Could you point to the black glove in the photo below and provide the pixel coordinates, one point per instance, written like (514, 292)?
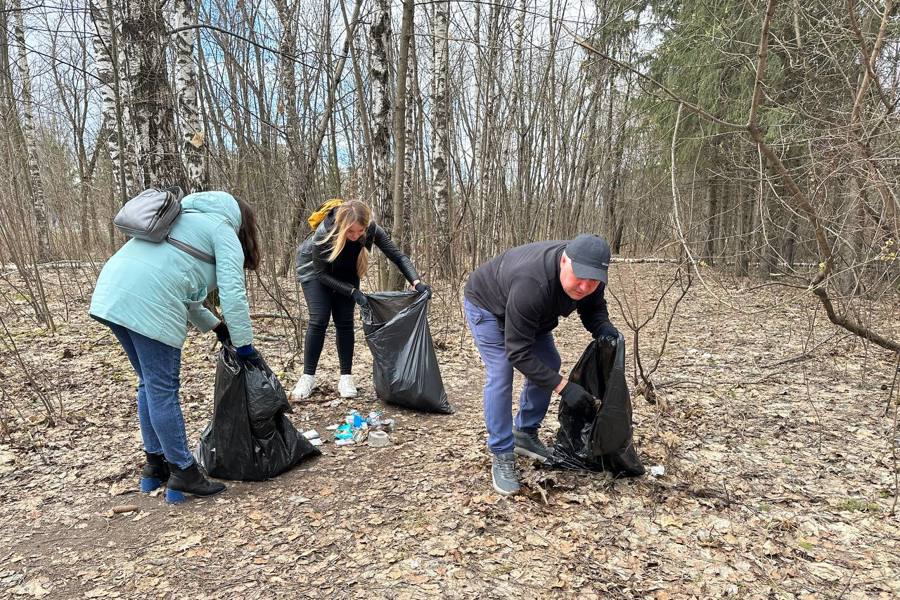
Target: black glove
(578, 399)
(607, 330)
(221, 331)
(424, 288)
(248, 355)
(359, 297)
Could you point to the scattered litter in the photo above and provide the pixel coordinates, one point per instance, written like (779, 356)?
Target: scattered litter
(316, 441)
(343, 432)
(657, 471)
(356, 429)
(377, 422)
(312, 434)
(379, 439)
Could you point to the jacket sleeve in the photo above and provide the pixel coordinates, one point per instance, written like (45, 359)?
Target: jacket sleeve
(390, 249)
(230, 280)
(524, 307)
(319, 257)
(593, 310)
(201, 317)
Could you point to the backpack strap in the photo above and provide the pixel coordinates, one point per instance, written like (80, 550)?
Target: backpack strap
(198, 254)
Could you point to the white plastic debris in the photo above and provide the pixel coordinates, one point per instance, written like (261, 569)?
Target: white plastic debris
(657, 471)
(312, 434)
(379, 439)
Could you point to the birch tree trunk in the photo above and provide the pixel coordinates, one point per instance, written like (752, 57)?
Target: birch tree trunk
(115, 112)
(287, 77)
(380, 33)
(440, 135)
(400, 119)
(154, 108)
(38, 198)
(193, 138)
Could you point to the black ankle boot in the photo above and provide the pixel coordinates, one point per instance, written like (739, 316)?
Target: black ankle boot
(193, 481)
(155, 472)
(156, 466)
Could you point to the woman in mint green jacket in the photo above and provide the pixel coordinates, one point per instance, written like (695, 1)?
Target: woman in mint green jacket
(148, 292)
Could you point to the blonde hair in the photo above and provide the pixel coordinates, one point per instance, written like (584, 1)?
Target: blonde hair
(351, 212)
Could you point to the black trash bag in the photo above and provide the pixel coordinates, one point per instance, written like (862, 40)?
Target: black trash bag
(249, 437)
(602, 439)
(406, 368)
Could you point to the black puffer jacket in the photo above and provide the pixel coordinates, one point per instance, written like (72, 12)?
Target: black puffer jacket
(340, 275)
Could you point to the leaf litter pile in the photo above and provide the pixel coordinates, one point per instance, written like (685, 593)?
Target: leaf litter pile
(778, 476)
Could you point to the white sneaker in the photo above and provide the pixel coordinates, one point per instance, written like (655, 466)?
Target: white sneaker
(304, 388)
(346, 387)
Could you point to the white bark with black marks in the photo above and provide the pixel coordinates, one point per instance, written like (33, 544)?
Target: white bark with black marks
(440, 132)
(38, 197)
(193, 138)
(144, 34)
(380, 70)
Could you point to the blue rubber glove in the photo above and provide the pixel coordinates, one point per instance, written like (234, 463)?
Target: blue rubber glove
(248, 355)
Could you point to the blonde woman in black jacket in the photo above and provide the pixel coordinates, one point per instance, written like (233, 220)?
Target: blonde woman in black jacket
(330, 264)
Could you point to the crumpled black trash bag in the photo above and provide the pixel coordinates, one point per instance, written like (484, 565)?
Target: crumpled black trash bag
(406, 368)
(602, 440)
(249, 438)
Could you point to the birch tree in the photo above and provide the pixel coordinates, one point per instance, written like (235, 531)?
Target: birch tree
(144, 32)
(193, 137)
(38, 198)
(440, 134)
(115, 112)
(380, 69)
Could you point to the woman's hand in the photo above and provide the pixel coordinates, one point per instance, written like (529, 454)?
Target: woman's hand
(221, 331)
(422, 287)
(359, 297)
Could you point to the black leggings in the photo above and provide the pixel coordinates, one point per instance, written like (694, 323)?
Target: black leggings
(323, 302)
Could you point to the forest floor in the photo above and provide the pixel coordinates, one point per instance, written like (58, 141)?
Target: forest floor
(779, 477)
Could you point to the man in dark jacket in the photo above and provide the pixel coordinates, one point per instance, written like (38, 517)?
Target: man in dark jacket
(512, 303)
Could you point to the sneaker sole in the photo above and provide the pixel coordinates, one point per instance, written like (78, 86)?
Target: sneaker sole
(529, 454)
(501, 491)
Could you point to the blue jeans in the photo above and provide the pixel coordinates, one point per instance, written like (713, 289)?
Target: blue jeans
(498, 379)
(158, 368)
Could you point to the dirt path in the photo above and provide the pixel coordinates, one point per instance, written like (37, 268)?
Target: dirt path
(778, 484)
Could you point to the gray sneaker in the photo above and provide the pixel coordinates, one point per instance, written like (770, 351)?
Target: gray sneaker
(529, 444)
(503, 474)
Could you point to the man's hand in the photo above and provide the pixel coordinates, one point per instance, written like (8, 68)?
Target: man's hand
(359, 297)
(607, 330)
(221, 331)
(578, 399)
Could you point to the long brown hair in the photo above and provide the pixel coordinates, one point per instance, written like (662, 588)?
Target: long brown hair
(248, 234)
(351, 212)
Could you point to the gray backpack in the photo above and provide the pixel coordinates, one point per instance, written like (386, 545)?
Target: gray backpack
(149, 216)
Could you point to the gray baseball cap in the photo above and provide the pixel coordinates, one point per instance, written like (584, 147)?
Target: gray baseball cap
(590, 256)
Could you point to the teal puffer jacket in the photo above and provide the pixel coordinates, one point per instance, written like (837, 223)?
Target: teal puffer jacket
(155, 289)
